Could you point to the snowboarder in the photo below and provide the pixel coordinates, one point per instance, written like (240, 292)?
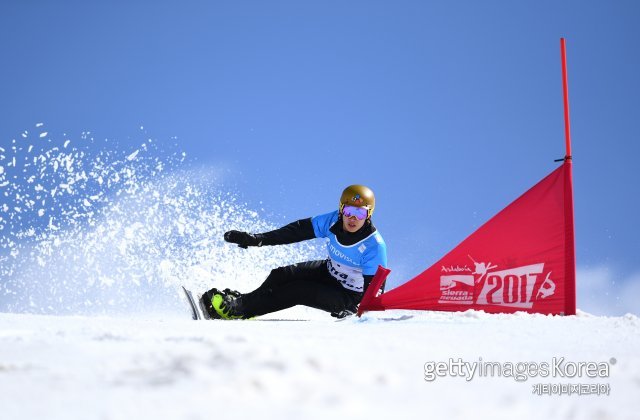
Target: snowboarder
(335, 285)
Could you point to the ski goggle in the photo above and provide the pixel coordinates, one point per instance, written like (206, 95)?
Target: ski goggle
(360, 212)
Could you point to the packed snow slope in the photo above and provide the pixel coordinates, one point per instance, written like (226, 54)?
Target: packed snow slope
(58, 367)
(95, 240)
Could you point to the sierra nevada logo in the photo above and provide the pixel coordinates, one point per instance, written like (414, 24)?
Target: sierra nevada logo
(514, 287)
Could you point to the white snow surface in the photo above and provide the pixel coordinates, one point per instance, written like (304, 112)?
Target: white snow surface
(95, 240)
(167, 367)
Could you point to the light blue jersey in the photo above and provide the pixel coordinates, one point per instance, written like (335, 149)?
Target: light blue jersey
(347, 263)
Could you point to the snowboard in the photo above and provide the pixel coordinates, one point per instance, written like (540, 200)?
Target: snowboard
(195, 313)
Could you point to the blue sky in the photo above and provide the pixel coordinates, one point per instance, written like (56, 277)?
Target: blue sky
(450, 108)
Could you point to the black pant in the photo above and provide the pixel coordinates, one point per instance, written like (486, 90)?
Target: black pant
(308, 283)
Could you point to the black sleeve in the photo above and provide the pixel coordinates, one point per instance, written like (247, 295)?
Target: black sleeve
(367, 282)
(297, 231)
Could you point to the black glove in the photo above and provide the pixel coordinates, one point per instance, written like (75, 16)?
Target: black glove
(344, 313)
(243, 239)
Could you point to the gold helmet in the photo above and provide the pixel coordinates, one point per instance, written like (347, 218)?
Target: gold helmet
(358, 196)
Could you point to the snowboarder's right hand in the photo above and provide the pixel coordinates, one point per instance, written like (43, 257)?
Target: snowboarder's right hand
(243, 239)
(343, 313)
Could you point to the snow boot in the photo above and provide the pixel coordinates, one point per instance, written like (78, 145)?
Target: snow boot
(206, 305)
(227, 306)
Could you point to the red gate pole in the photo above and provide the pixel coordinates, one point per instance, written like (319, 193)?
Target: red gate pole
(565, 89)
(570, 253)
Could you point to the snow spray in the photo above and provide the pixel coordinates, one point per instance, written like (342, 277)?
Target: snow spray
(91, 226)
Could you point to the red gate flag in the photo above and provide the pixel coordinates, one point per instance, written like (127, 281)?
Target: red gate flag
(522, 259)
